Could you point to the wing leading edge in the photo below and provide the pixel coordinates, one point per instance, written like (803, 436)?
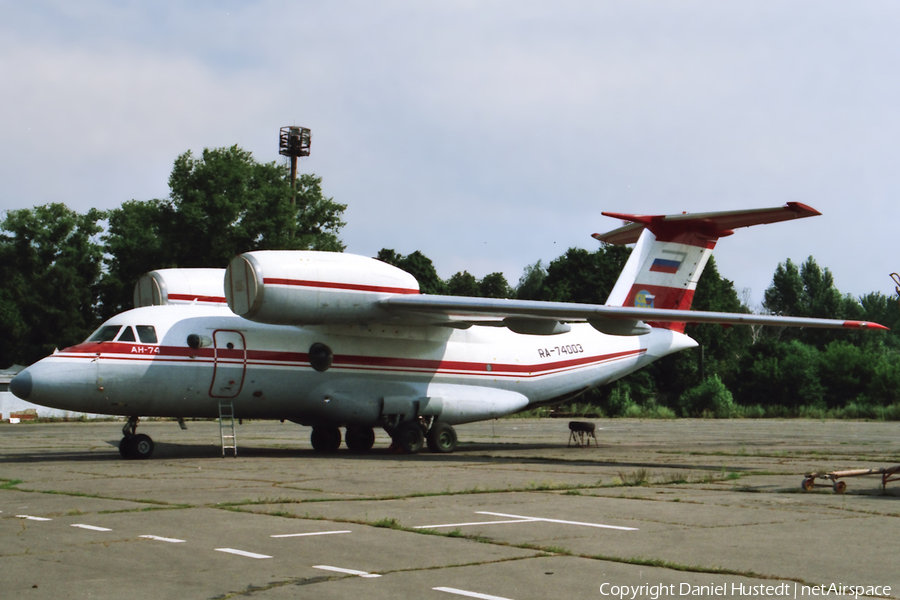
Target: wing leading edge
(552, 317)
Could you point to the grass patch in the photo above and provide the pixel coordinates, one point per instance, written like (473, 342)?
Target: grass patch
(665, 564)
(640, 477)
(145, 509)
(249, 502)
(9, 484)
(676, 479)
(388, 523)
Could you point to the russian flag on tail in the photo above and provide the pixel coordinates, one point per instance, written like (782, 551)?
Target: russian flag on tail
(664, 265)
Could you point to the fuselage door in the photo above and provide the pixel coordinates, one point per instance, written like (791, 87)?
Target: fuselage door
(230, 364)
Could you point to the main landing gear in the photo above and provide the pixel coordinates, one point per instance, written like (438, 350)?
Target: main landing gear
(409, 437)
(326, 439)
(135, 445)
(359, 439)
(441, 438)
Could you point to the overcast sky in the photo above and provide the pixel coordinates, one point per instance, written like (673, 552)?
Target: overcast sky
(486, 134)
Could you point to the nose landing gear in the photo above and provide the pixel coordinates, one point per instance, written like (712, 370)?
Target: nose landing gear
(135, 445)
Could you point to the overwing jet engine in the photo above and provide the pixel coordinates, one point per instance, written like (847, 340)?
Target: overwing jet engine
(312, 288)
(337, 341)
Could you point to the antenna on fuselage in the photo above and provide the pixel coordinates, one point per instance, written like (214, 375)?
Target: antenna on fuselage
(294, 141)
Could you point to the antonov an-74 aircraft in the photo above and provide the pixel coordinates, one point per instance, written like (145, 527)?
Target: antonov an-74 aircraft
(334, 340)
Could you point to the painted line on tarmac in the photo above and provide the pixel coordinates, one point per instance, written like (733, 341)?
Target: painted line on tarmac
(287, 535)
(559, 521)
(529, 520)
(162, 539)
(347, 571)
(30, 518)
(242, 553)
(91, 527)
(451, 590)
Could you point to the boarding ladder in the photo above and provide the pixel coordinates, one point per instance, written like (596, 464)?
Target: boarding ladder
(226, 428)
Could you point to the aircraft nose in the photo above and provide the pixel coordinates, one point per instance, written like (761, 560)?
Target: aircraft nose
(21, 385)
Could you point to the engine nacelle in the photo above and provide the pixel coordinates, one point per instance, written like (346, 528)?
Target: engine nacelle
(297, 287)
(180, 286)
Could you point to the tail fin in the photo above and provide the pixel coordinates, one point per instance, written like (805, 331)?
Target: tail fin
(672, 250)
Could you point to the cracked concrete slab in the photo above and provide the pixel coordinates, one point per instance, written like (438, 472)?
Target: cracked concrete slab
(708, 502)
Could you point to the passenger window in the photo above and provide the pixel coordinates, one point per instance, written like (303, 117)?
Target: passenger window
(107, 333)
(147, 333)
(127, 335)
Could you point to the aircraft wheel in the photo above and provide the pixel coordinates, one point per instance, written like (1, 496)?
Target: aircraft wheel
(359, 439)
(125, 446)
(441, 438)
(808, 484)
(140, 446)
(326, 439)
(839, 487)
(409, 437)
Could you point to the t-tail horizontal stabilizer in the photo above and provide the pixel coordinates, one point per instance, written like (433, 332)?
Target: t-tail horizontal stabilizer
(671, 251)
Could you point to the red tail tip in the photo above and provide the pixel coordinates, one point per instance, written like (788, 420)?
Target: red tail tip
(864, 325)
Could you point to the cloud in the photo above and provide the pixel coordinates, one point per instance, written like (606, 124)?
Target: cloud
(487, 135)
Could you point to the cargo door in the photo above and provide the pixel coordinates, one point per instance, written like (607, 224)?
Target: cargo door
(230, 364)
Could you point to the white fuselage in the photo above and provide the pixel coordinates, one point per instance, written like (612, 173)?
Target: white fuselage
(265, 371)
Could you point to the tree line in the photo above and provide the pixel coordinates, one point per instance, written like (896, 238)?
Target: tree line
(62, 273)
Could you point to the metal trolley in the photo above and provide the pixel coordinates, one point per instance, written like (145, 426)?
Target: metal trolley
(887, 474)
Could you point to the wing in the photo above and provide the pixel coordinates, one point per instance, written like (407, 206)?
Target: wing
(548, 318)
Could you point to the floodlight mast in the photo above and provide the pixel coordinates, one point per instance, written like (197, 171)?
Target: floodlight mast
(294, 141)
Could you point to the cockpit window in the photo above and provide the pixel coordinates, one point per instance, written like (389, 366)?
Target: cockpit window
(127, 335)
(107, 333)
(147, 333)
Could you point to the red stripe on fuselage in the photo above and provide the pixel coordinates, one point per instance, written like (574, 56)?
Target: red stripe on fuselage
(339, 286)
(191, 298)
(169, 354)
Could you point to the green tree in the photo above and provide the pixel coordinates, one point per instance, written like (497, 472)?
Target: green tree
(50, 264)
(225, 203)
(806, 292)
(884, 386)
(582, 276)
(494, 285)
(531, 282)
(781, 373)
(711, 397)
(845, 371)
(463, 283)
(136, 242)
(785, 295)
(419, 266)
(220, 205)
(877, 308)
